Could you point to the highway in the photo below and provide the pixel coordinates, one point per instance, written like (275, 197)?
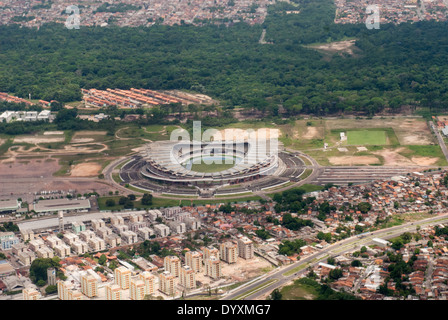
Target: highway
(277, 278)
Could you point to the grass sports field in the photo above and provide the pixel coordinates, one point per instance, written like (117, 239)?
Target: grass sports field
(366, 137)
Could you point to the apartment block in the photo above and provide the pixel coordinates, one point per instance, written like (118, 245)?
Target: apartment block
(78, 227)
(113, 240)
(116, 220)
(113, 292)
(44, 252)
(167, 283)
(154, 214)
(177, 227)
(86, 235)
(79, 247)
(96, 244)
(97, 224)
(228, 252)
(120, 228)
(19, 247)
(53, 241)
(145, 233)
(26, 257)
(136, 217)
(162, 230)
(36, 244)
(69, 238)
(150, 282)
(213, 267)
(172, 265)
(194, 260)
(137, 289)
(27, 235)
(66, 291)
(245, 248)
(187, 277)
(103, 232)
(89, 285)
(210, 251)
(62, 250)
(122, 277)
(129, 237)
(31, 294)
(192, 223)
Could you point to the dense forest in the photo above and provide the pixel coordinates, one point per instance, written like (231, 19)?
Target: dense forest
(390, 67)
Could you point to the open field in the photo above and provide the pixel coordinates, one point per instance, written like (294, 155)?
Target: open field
(366, 137)
(298, 291)
(39, 139)
(409, 131)
(391, 141)
(213, 167)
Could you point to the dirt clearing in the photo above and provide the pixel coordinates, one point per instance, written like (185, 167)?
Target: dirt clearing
(392, 157)
(49, 133)
(337, 46)
(311, 133)
(38, 139)
(88, 169)
(424, 161)
(238, 134)
(353, 160)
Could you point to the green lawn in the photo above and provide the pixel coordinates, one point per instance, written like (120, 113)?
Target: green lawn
(299, 291)
(366, 137)
(212, 167)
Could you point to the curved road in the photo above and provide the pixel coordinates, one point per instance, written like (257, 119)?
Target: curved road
(276, 278)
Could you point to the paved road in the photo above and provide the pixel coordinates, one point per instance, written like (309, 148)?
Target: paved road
(439, 139)
(244, 292)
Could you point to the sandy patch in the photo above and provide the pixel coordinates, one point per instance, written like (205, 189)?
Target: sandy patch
(337, 46)
(88, 169)
(46, 133)
(413, 132)
(242, 134)
(244, 269)
(26, 169)
(82, 140)
(311, 133)
(424, 161)
(393, 158)
(2, 141)
(38, 139)
(353, 160)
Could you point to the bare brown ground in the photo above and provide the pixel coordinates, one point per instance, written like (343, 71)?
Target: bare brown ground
(32, 169)
(311, 133)
(353, 160)
(46, 133)
(393, 158)
(244, 269)
(88, 169)
(82, 140)
(337, 46)
(39, 139)
(233, 134)
(424, 161)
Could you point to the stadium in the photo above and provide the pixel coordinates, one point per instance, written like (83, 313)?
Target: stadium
(210, 168)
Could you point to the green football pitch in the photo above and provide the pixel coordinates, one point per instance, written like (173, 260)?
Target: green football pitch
(366, 137)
